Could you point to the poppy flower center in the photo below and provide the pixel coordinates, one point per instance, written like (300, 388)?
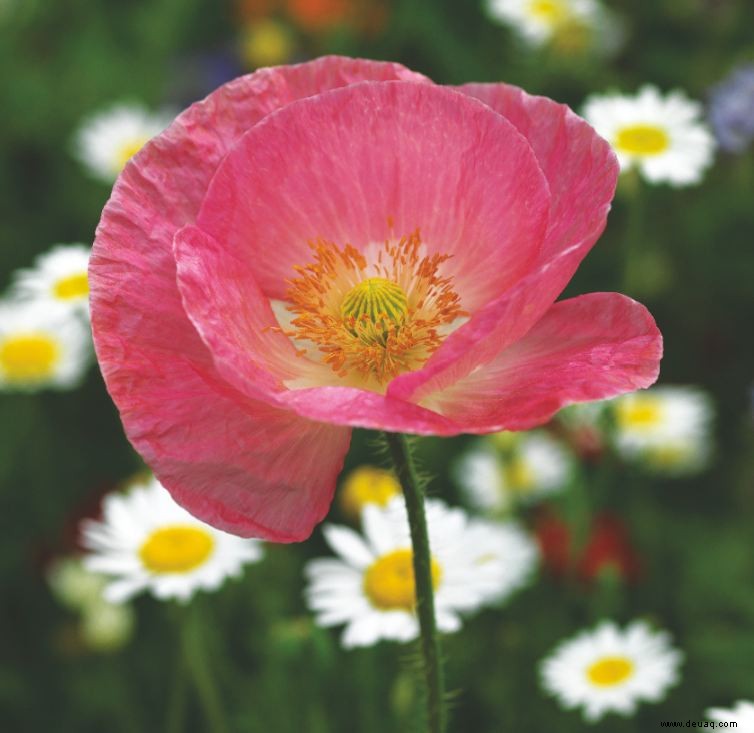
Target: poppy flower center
(389, 581)
(73, 286)
(176, 549)
(374, 308)
(28, 357)
(377, 313)
(610, 671)
(642, 140)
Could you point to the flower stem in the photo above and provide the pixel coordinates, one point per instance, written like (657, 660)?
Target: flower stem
(634, 233)
(195, 654)
(425, 601)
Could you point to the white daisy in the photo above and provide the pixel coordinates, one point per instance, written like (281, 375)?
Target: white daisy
(532, 466)
(370, 586)
(367, 485)
(58, 276)
(666, 428)
(42, 345)
(108, 139)
(102, 626)
(742, 714)
(664, 137)
(505, 556)
(146, 541)
(609, 670)
(540, 21)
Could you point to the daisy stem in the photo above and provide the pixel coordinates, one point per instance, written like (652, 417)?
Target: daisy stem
(634, 231)
(195, 654)
(413, 495)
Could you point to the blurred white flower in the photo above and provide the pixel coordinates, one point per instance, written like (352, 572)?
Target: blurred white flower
(73, 585)
(58, 276)
(663, 137)
(505, 555)
(741, 714)
(42, 345)
(570, 26)
(668, 428)
(611, 670)
(146, 541)
(109, 139)
(370, 586)
(367, 485)
(534, 465)
(102, 626)
(107, 626)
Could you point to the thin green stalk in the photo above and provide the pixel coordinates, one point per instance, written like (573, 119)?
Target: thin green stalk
(422, 560)
(634, 244)
(195, 653)
(176, 714)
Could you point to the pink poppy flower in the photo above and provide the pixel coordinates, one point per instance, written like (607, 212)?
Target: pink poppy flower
(345, 244)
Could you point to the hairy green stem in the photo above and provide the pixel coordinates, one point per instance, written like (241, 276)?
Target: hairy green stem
(422, 560)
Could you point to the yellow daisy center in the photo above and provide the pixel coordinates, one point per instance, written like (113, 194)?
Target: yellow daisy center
(29, 357)
(610, 671)
(377, 318)
(642, 140)
(572, 36)
(367, 485)
(71, 287)
(176, 549)
(389, 581)
(127, 150)
(519, 475)
(551, 11)
(267, 43)
(639, 414)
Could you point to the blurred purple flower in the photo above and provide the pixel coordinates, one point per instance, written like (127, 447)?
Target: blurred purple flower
(193, 77)
(731, 109)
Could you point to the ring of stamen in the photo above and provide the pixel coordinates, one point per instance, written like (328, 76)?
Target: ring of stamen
(378, 318)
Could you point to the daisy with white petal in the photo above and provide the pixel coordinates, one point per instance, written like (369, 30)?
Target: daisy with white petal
(145, 541)
(664, 137)
(666, 428)
(541, 21)
(742, 714)
(370, 586)
(505, 556)
(58, 276)
(42, 345)
(612, 670)
(533, 465)
(109, 139)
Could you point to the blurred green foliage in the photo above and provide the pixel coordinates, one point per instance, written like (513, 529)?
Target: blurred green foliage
(276, 671)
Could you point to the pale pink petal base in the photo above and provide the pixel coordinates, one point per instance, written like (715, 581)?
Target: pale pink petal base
(587, 348)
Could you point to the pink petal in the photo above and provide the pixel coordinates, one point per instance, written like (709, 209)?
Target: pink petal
(245, 467)
(371, 161)
(153, 361)
(581, 171)
(587, 348)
